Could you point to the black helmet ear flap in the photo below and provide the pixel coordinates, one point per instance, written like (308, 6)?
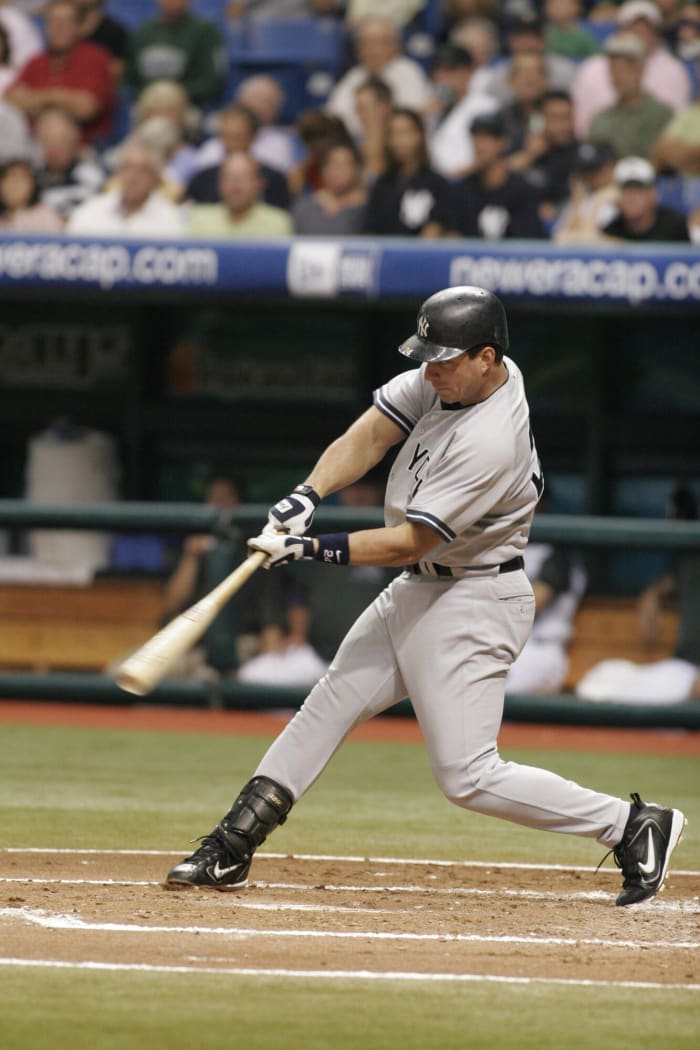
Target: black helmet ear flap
(456, 320)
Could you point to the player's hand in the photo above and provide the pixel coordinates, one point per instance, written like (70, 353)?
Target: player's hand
(294, 513)
(281, 548)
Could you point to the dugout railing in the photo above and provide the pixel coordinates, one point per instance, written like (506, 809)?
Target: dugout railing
(579, 532)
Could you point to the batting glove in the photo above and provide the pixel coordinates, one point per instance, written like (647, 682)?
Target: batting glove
(281, 548)
(294, 513)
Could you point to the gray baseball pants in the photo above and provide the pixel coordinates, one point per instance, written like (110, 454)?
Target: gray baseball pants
(447, 643)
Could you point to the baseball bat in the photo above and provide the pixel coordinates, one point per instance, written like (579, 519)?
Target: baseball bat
(140, 672)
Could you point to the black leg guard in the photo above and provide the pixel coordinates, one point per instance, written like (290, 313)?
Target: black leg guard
(260, 807)
(224, 858)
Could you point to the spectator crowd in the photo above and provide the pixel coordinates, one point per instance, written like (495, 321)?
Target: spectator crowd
(572, 120)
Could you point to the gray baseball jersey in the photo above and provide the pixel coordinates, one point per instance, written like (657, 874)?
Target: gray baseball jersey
(471, 473)
(447, 638)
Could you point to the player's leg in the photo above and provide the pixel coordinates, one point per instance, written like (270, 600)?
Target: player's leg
(470, 633)
(363, 680)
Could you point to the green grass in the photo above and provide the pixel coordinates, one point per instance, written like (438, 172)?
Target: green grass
(105, 789)
(218, 1012)
(93, 788)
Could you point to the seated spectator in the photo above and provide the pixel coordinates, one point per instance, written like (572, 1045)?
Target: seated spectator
(373, 105)
(66, 176)
(663, 681)
(378, 44)
(479, 36)
(593, 197)
(8, 72)
(241, 213)
(558, 583)
(20, 40)
(664, 76)
(338, 207)
(405, 196)
(267, 619)
(677, 149)
(275, 145)
(317, 132)
(641, 217)
(457, 105)
(70, 73)
(136, 207)
(493, 202)
(164, 136)
(685, 40)
(236, 130)
(97, 27)
(563, 32)
(399, 12)
(178, 46)
(167, 100)
(635, 120)
(15, 134)
(524, 33)
(549, 153)
(527, 80)
(21, 210)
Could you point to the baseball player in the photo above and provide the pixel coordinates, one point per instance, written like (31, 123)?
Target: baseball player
(458, 507)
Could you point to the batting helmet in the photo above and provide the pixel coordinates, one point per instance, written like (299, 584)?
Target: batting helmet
(456, 320)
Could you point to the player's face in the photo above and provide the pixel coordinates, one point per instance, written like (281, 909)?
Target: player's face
(461, 379)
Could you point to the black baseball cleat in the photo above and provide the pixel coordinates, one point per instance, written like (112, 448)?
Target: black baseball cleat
(223, 860)
(651, 835)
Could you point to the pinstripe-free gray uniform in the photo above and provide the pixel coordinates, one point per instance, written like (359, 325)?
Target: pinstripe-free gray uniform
(445, 632)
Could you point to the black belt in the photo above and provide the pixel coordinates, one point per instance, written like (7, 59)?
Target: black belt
(445, 570)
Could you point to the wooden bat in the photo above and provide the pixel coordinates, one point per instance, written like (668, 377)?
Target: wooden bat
(143, 670)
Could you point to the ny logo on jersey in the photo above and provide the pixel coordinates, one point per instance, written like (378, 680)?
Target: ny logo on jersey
(423, 326)
(419, 461)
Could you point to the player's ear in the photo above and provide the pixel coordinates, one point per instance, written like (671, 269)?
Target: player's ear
(488, 356)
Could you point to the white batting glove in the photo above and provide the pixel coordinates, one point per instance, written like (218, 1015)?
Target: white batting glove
(282, 548)
(294, 513)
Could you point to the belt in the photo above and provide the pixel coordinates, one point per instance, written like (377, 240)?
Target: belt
(447, 570)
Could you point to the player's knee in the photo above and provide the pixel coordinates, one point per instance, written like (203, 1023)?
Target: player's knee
(459, 780)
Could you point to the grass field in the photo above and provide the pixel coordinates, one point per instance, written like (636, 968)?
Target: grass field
(108, 789)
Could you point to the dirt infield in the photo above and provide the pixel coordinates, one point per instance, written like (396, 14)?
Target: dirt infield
(350, 916)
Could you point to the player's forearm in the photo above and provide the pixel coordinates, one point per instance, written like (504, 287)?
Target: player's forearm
(390, 547)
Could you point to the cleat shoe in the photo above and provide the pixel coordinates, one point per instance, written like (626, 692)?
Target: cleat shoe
(222, 862)
(651, 835)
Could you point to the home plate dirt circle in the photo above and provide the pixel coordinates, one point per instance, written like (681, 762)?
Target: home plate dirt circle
(349, 916)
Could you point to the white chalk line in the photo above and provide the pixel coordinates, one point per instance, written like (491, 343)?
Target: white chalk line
(423, 862)
(691, 907)
(344, 975)
(57, 921)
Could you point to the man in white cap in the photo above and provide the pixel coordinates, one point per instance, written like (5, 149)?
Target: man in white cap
(640, 216)
(664, 77)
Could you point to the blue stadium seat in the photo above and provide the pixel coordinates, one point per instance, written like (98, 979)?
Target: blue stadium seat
(600, 30)
(131, 13)
(316, 41)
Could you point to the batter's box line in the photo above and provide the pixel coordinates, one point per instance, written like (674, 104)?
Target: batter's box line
(58, 921)
(347, 975)
(329, 857)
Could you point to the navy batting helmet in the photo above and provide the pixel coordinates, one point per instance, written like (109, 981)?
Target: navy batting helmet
(456, 320)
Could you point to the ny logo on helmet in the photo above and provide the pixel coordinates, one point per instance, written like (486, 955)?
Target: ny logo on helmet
(423, 326)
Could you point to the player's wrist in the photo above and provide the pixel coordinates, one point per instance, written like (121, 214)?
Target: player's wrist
(310, 492)
(333, 548)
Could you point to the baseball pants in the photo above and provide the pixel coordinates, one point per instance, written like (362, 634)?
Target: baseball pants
(448, 644)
